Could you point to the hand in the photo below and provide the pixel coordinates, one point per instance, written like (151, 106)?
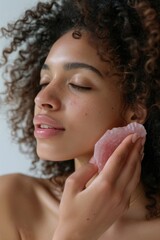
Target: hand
(87, 212)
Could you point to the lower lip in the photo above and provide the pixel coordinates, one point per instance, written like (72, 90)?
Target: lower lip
(46, 132)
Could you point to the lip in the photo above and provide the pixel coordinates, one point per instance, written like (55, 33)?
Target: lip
(56, 127)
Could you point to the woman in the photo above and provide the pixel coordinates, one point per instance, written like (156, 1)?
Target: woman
(89, 67)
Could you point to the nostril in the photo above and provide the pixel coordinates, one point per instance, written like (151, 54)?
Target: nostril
(47, 102)
(46, 105)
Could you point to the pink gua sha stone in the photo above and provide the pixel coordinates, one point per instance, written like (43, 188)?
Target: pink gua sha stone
(111, 139)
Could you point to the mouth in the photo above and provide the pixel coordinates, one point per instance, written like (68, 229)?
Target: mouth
(46, 127)
(44, 121)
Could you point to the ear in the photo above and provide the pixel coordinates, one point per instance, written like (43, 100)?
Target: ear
(136, 114)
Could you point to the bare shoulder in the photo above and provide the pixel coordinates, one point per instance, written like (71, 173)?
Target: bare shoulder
(15, 185)
(8, 190)
(10, 186)
(11, 179)
(19, 190)
(26, 203)
(152, 229)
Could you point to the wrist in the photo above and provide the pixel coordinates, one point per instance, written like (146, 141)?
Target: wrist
(62, 233)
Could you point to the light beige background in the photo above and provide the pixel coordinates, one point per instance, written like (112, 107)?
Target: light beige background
(11, 160)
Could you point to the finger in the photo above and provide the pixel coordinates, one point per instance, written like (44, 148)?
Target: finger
(132, 185)
(77, 181)
(116, 162)
(130, 167)
(135, 180)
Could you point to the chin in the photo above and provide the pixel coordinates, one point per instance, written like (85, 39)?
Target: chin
(50, 155)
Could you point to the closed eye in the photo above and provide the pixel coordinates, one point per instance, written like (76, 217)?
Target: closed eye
(79, 88)
(42, 86)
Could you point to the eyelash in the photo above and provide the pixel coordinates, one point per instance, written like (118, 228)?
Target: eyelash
(76, 87)
(41, 86)
(79, 88)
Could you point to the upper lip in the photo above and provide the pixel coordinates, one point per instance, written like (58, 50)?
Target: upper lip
(44, 119)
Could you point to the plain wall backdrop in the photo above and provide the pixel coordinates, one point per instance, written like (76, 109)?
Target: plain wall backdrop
(11, 160)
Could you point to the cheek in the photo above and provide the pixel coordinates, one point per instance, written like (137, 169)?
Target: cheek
(86, 109)
(79, 107)
(35, 110)
(86, 114)
(94, 113)
(75, 101)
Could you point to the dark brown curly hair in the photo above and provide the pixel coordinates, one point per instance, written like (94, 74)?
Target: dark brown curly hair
(127, 36)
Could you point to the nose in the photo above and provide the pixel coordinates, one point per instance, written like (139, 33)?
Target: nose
(48, 99)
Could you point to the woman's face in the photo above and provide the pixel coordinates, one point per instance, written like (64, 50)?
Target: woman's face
(78, 101)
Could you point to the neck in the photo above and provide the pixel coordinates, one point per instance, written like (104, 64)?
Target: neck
(138, 201)
(79, 162)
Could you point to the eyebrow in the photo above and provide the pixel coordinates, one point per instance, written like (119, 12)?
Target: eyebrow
(76, 65)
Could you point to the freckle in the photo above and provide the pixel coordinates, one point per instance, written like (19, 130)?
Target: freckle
(112, 108)
(86, 114)
(88, 219)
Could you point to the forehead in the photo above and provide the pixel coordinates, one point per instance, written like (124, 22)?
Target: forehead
(70, 49)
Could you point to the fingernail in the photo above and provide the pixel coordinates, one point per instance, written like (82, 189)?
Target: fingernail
(135, 136)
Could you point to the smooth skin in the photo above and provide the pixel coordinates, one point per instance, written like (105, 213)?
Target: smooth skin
(105, 206)
(85, 103)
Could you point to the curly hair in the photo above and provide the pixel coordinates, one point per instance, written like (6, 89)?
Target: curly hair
(127, 36)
